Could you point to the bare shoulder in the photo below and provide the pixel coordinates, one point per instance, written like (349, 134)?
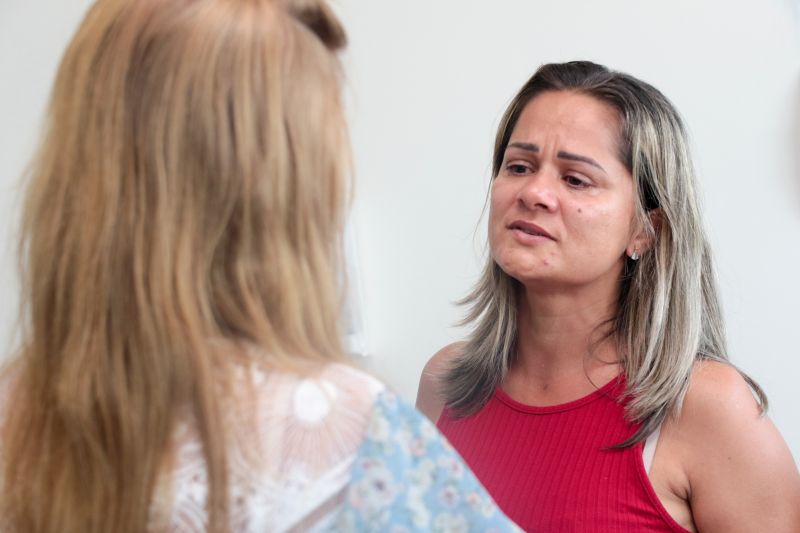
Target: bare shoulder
(729, 442)
(429, 399)
(719, 395)
(720, 412)
(441, 360)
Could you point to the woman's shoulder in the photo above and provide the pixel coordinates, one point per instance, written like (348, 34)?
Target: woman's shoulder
(719, 408)
(441, 360)
(291, 436)
(321, 389)
(718, 399)
(429, 397)
(353, 378)
(725, 440)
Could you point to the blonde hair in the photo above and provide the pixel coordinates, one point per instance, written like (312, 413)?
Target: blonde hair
(190, 186)
(668, 314)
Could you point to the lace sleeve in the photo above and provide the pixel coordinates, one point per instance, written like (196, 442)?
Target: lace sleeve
(407, 477)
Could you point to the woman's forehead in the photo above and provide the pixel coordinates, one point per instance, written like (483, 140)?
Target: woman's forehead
(574, 120)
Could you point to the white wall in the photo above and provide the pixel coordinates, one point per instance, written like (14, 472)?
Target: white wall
(428, 81)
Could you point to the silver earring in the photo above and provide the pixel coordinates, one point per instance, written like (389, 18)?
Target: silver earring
(635, 255)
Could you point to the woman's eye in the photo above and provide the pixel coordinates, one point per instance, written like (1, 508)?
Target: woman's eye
(517, 168)
(573, 181)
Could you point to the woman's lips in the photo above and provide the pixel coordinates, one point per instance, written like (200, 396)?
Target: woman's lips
(529, 229)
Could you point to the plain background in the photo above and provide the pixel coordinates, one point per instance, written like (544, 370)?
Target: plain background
(427, 82)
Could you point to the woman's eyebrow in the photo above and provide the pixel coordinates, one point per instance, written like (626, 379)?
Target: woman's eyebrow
(525, 146)
(530, 147)
(575, 157)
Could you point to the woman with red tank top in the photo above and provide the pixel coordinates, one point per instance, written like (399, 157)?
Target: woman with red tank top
(594, 393)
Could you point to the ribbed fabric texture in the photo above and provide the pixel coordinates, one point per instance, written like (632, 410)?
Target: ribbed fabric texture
(550, 470)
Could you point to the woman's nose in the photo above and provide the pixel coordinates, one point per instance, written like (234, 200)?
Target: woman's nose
(539, 191)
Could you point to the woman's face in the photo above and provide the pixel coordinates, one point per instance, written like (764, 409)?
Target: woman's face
(562, 209)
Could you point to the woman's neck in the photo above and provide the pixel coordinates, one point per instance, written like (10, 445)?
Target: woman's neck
(563, 349)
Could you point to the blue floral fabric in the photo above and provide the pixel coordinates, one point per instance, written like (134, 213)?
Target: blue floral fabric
(407, 478)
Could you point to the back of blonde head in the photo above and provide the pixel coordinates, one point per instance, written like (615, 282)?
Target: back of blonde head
(190, 187)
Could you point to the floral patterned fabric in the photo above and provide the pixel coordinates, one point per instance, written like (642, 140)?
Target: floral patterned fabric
(406, 477)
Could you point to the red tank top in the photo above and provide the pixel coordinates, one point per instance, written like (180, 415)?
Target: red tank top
(549, 468)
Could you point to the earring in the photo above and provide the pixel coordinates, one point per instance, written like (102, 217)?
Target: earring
(635, 255)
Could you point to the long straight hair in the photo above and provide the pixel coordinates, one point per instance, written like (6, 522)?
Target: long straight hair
(668, 312)
(190, 187)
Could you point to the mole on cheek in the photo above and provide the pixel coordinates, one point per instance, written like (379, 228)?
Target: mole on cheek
(580, 210)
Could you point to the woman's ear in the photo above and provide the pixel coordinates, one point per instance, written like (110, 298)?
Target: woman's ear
(643, 240)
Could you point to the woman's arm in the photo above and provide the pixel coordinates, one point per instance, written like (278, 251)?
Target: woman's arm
(741, 474)
(429, 399)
